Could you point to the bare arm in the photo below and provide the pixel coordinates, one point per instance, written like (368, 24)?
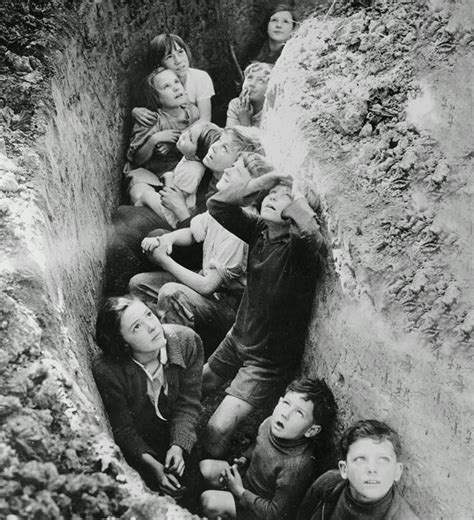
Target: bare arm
(205, 109)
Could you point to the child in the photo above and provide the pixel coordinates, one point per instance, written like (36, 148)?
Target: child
(364, 486)
(171, 52)
(246, 110)
(205, 301)
(265, 343)
(167, 97)
(281, 464)
(193, 143)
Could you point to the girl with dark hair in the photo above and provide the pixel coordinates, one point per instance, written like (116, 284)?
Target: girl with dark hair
(171, 52)
(277, 28)
(149, 378)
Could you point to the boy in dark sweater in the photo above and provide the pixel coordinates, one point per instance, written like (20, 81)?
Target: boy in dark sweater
(364, 487)
(280, 465)
(264, 346)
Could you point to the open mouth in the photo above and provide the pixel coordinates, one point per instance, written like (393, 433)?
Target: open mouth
(279, 425)
(269, 206)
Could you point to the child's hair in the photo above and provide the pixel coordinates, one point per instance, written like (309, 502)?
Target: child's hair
(150, 95)
(107, 329)
(283, 7)
(210, 133)
(318, 392)
(248, 138)
(255, 163)
(162, 45)
(259, 66)
(369, 429)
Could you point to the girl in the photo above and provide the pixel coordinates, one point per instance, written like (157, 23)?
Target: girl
(165, 94)
(278, 27)
(171, 52)
(149, 378)
(246, 110)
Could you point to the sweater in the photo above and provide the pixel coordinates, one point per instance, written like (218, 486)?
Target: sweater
(326, 493)
(281, 277)
(277, 477)
(123, 388)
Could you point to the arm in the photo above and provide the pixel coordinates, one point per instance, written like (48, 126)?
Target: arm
(144, 152)
(187, 408)
(180, 237)
(205, 109)
(113, 391)
(232, 115)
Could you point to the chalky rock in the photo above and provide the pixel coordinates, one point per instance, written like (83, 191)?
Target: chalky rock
(8, 181)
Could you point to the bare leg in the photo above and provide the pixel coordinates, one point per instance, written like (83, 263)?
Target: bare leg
(211, 471)
(223, 424)
(210, 381)
(218, 504)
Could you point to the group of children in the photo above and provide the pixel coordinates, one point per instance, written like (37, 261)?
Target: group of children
(234, 251)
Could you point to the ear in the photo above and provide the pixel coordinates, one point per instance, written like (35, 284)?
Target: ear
(312, 431)
(398, 471)
(343, 469)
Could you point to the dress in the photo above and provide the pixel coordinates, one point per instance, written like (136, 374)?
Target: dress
(233, 115)
(198, 85)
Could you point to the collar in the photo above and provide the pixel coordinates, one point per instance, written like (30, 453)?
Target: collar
(162, 358)
(282, 238)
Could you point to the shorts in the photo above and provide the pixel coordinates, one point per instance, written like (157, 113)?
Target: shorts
(252, 382)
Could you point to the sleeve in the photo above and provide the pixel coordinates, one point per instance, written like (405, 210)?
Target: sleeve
(140, 136)
(315, 494)
(187, 408)
(199, 225)
(204, 85)
(231, 259)
(226, 207)
(232, 114)
(306, 238)
(289, 483)
(187, 175)
(114, 396)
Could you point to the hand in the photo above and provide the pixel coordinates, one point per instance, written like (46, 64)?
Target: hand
(172, 198)
(163, 148)
(167, 136)
(269, 180)
(144, 116)
(167, 177)
(167, 482)
(174, 461)
(234, 481)
(245, 110)
(241, 462)
(149, 244)
(160, 254)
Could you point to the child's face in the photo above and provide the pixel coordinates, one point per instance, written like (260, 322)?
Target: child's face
(141, 329)
(187, 142)
(255, 84)
(292, 417)
(170, 90)
(222, 154)
(371, 467)
(177, 61)
(235, 175)
(275, 202)
(280, 26)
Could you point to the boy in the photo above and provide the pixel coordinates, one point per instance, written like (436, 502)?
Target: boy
(280, 464)
(205, 301)
(246, 110)
(364, 487)
(265, 343)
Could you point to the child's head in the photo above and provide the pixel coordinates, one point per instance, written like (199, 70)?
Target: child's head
(197, 138)
(307, 407)
(256, 80)
(126, 326)
(163, 89)
(370, 451)
(224, 152)
(281, 22)
(247, 166)
(275, 202)
(171, 52)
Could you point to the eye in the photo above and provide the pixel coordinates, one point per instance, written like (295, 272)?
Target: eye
(148, 314)
(360, 458)
(384, 459)
(300, 413)
(136, 327)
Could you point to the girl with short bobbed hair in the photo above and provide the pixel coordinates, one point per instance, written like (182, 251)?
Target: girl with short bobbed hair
(149, 378)
(170, 51)
(274, 32)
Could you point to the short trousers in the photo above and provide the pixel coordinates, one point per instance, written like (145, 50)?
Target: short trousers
(252, 382)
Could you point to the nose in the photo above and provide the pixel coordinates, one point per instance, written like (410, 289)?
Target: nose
(371, 467)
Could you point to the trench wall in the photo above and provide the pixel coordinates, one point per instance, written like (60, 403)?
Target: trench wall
(370, 110)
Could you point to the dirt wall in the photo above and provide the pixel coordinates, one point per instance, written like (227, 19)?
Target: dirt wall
(370, 110)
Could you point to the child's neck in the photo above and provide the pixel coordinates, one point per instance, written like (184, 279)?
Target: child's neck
(275, 46)
(258, 105)
(173, 111)
(276, 230)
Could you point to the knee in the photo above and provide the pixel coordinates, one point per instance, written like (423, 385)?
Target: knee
(206, 469)
(170, 290)
(135, 283)
(208, 504)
